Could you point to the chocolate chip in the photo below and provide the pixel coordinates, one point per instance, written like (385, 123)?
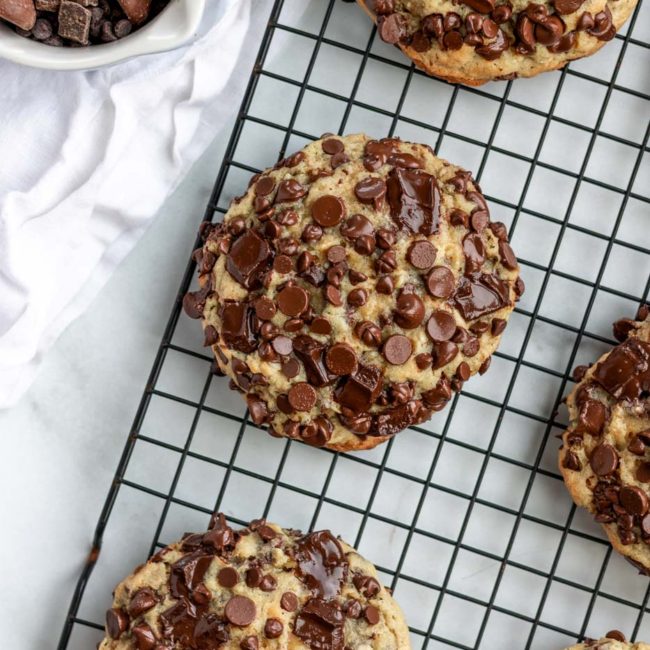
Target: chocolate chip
(422, 255)
(320, 325)
(240, 611)
(341, 359)
(397, 349)
(273, 628)
(352, 608)
(603, 460)
(328, 211)
(643, 473)
(423, 360)
(385, 285)
(290, 190)
(612, 634)
(634, 500)
(369, 333)
(571, 461)
(371, 614)
(144, 637)
(142, 601)
(289, 600)
(332, 146)
(333, 295)
(265, 185)
(441, 326)
(264, 308)
(292, 300)
(357, 297)
(291, 369)
(249, 643)
(253, 577)
(282, 345)
(443, 353)
(366, 585)
(268, 583)
(336, 254)
(409, 311)
(636, 446)
(371, 191)
(117, 621)
(228, 577)
(463, 371)
(302, 396)
(259, 412)
(392, 28)
(356, 277)
(440, 282)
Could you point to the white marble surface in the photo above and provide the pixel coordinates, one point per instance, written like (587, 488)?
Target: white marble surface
(60, 445)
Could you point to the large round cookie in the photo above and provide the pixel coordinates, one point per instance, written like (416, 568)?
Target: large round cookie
(605, 454)
(352, 288)
(474, 41)
(260, 587)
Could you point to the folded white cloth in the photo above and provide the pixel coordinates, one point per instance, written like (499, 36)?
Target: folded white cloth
(86, 161)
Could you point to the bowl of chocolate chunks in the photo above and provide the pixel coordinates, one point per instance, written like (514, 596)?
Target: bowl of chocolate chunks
(89, 34)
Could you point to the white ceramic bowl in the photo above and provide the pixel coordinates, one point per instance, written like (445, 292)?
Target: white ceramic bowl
(170, 29)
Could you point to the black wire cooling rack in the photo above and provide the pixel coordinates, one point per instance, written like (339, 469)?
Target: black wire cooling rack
(465, 516)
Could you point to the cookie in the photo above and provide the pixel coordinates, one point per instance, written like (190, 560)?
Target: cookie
(613, 640)
(260, 587)
(474, 41)
(353, 288)
(605, 453)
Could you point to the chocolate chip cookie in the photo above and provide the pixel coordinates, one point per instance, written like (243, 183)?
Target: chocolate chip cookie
(605, 454)
(614, 640)
(260, 587)
(353, 288)
(474, 41)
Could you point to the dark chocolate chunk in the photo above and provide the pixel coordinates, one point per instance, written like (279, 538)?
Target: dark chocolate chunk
(248, 258)
(236, 326)
(479, 295)
(414, 200)
(361, 389)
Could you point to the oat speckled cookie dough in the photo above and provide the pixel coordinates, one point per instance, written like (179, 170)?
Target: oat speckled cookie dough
(474, 41)
(257, 588)
(353, 288)
(605, 454)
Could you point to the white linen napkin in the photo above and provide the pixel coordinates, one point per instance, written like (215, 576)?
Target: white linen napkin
(86, 161)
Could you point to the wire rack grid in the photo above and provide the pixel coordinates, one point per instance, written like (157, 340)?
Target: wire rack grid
(465, 516)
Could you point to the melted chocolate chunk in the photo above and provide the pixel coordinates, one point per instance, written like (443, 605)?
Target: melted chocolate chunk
(414, 200)
(236, 326)
(482, 294)
(248, 258)
(311, 352)
(361, 389)
(625, 373)
(322, 564)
